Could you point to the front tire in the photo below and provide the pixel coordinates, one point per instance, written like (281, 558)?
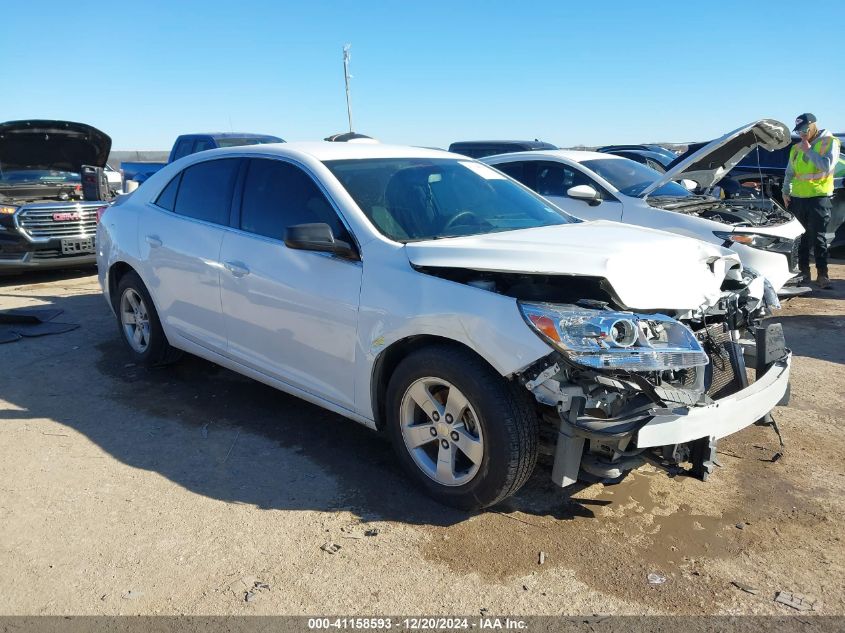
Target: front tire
(467, 435)
(139, 325)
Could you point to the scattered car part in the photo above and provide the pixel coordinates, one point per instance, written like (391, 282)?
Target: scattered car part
(30, 322)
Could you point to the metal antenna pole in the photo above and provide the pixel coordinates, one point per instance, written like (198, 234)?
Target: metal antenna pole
(347, 77)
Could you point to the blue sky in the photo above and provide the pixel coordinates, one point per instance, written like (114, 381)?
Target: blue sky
(424, 73)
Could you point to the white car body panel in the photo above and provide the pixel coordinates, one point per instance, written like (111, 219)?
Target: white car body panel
(293, 316)
(637, 211)
(316, 326)
(570, 249)
(182, 269)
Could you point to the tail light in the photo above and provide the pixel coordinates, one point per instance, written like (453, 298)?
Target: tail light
(101, 211)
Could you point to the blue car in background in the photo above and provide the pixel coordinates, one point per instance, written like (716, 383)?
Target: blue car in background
(187, 144)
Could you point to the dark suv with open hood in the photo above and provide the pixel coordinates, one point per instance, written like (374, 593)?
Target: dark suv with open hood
(45, 222)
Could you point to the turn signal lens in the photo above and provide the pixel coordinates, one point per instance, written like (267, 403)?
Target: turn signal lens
(7, 210)
(545, 325)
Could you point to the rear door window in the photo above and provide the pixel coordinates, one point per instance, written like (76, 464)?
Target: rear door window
(518, 170)
(167, 198)
(278, 195)
(205, 192)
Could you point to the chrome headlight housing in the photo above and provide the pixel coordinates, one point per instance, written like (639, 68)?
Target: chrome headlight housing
(756, 240)
(615, 340)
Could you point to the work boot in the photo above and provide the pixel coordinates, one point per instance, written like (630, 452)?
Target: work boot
(806, 273)
(823, 282)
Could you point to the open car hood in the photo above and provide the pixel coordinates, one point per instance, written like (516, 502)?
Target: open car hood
(54, 145)
(711, 163)
(648, 269)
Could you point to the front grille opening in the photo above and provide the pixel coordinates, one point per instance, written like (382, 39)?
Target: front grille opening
(40, 222)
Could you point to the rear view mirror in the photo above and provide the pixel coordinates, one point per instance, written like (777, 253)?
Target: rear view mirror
(584, 192)
(317, 237)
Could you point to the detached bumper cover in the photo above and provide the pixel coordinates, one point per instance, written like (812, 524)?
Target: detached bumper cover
(723, 417)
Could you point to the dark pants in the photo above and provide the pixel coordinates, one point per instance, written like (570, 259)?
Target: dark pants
(814, 214)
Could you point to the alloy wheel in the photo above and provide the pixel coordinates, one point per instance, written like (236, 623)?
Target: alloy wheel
(441, 431)
(135, 320)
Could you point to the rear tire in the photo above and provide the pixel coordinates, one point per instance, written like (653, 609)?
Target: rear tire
(139, 325)
(467, 435)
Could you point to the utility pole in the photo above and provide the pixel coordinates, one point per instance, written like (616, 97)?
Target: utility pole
(347, 77)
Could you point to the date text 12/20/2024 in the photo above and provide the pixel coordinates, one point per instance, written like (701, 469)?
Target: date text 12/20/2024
(417, 624)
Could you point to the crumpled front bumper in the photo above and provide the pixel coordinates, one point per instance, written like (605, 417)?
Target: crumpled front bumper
(724, 417)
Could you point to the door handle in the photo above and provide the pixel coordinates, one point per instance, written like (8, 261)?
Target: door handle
(236, 268)
(153, 241)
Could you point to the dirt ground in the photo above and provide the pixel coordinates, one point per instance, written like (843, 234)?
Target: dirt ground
(126, 491)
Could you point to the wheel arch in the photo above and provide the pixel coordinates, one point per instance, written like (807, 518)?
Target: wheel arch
(116, 272)
(387, 361)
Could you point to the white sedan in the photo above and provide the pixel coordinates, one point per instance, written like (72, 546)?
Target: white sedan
(596, 186)
(427, 296)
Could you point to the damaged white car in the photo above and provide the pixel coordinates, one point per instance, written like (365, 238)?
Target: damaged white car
(596, 186)
(425, 295)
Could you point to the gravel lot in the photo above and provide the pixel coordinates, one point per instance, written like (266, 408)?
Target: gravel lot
(178, 490)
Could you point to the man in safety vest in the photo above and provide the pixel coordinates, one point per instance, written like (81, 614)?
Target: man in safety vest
(807, 191)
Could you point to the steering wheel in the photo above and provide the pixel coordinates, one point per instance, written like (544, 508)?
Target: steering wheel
(455, 220)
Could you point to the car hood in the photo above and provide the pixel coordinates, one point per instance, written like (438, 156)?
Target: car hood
(648, 269)
(54, 145)
(713, 161)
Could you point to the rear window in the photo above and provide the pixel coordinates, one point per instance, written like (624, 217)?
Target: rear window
(167, 198)
(205, 191)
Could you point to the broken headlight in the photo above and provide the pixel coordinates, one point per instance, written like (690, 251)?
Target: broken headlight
(615, 340)
(754, 240)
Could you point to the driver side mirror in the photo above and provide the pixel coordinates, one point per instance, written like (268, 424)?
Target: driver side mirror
(318, 237)
(586, 193)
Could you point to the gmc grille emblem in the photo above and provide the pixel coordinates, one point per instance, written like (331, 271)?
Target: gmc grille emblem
(66, 217)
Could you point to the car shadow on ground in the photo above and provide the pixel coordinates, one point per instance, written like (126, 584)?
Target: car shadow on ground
(222, 435)
(43, 276)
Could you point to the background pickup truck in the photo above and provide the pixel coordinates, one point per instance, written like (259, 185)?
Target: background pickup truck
(187, 144)
(46, 218)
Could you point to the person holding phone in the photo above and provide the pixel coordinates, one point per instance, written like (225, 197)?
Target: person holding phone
(808, 189)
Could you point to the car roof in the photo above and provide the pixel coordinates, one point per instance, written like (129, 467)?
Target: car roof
(324, 150)
(574, 155)
(523, 144)
(229, 135)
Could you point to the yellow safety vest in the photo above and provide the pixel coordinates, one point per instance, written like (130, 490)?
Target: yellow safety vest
(808, 181)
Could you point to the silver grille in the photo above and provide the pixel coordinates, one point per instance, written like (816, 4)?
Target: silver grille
(39, 222)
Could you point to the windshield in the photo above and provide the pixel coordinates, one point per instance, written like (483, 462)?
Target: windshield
(37, 176)
(251, 140)
(632, 178)
(410, 199)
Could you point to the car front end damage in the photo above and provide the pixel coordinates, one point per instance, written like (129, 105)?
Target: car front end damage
(625, 388)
